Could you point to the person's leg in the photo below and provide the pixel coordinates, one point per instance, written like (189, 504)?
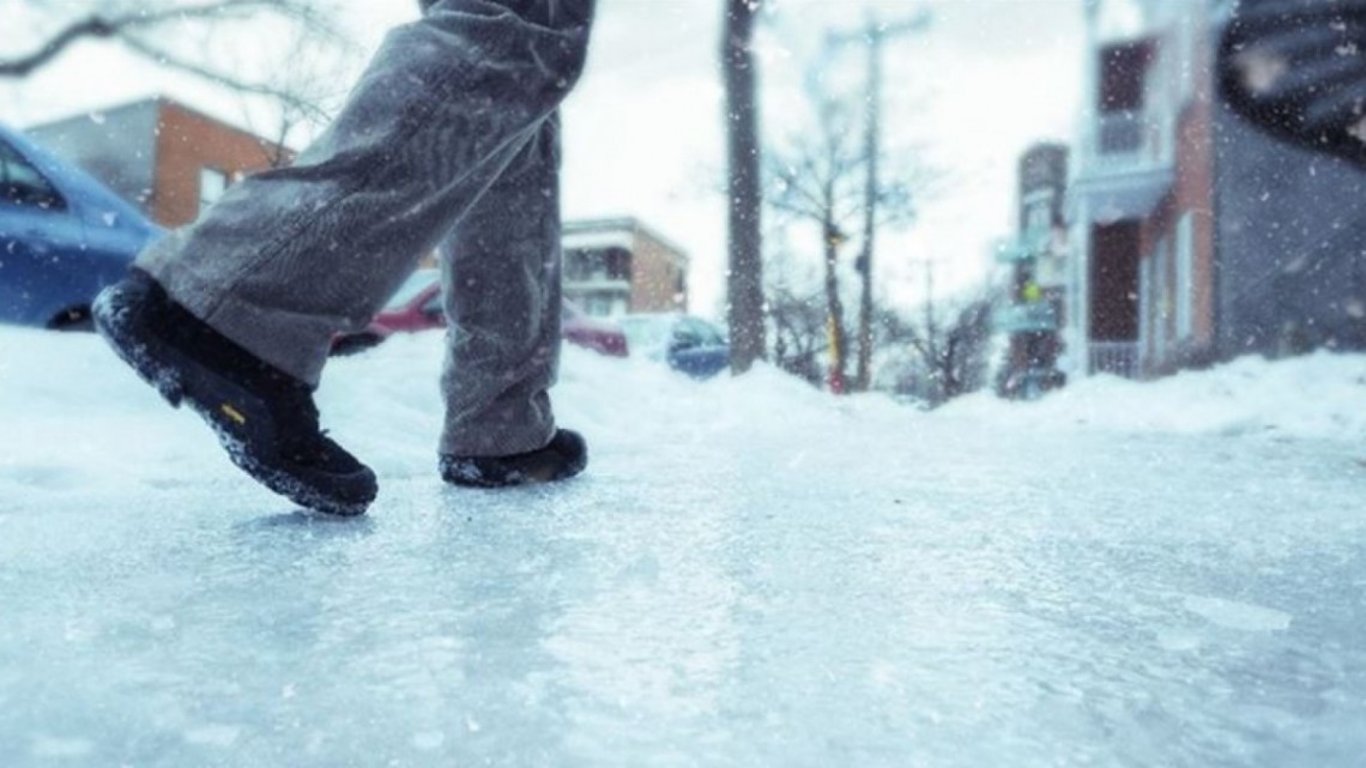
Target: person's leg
(292, 256)
(234, 315)
(502, 293)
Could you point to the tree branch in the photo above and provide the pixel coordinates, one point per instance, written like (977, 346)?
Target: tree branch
(91, 27)
(288, 99)
(98, 26)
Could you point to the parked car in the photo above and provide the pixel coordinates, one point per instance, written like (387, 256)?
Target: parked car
(686, 343)
(416, 306)
(63, 237)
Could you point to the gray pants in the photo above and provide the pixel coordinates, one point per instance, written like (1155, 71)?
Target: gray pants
(451, 139)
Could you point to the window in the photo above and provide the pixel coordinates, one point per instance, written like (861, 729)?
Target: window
(22, 184)
(212, 184)
(1123, 74)
(1185, 288)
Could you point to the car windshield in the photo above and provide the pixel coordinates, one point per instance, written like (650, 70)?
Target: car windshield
(416, 283)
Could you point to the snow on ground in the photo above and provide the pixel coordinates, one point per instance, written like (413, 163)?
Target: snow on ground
(1322, 395)
(751, 573)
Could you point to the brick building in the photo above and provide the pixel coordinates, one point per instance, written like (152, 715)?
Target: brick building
(616, 266)
(167, 158)
(1037, 257)
(1197, 237)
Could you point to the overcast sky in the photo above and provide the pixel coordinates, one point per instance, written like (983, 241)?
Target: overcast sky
(643, 132)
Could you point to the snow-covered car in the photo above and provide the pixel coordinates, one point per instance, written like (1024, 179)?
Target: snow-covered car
(686, 343)
(63, 237)
(416, 306)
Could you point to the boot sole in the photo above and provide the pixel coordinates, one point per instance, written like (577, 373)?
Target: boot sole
(182, 381)
(512, 477)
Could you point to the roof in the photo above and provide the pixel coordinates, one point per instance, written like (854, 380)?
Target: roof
(157, 103)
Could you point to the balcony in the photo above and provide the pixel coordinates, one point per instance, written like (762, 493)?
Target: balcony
(1032, 317)
(598, 282)
(1127, 163)
(1119, 358)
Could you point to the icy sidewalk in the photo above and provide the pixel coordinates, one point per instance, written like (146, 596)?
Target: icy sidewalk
(751, 574)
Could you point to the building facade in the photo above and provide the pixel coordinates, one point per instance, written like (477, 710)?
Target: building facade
(1037, 257)
(1196, 237)
(168, 159)
(617, 266)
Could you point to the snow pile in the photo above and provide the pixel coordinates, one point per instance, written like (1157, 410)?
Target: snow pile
(1321, 396)
(75, 418)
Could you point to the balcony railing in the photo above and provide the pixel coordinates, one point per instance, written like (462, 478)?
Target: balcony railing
(1116, 357)
(597, 282)
(1129, 142)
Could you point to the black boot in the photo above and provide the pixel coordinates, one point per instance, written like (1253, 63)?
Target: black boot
(565, 457)
(265, 419)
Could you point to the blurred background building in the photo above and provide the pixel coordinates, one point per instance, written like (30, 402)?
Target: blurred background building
(614, 267)
(1037, 257)
(170, 160)
(1196, 237)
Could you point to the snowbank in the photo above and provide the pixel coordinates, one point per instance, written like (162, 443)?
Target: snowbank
(1322, 395)
(74, 418)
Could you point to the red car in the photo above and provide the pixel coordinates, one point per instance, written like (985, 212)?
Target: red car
(416, 306)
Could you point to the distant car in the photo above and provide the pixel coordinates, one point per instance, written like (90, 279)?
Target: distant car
(416, 306)
(63, 237)
(686, 343)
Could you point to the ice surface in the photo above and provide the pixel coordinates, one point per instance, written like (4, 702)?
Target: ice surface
(1235, 615)
(750, 574)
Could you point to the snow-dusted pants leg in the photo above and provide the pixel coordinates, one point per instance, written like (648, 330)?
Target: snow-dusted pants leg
(502, 291)
(289, 257)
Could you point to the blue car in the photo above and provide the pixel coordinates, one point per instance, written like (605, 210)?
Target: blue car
(63, 237)
(687, 344)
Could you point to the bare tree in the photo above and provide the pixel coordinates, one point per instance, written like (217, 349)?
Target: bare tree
(820, 178)
(950, 345)
(816, 179)
(873, 36)
(798, 319)
(745, 198)
(144, 28)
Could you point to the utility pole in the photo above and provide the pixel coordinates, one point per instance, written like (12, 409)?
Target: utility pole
(873, 36)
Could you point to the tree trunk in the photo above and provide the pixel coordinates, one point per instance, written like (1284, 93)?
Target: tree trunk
(839, 338)
(745, 280)
(872, 149)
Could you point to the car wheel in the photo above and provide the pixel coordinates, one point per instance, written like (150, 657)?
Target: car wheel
(73, 319)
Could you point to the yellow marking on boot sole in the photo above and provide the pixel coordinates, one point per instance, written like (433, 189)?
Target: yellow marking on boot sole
(233, 413)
